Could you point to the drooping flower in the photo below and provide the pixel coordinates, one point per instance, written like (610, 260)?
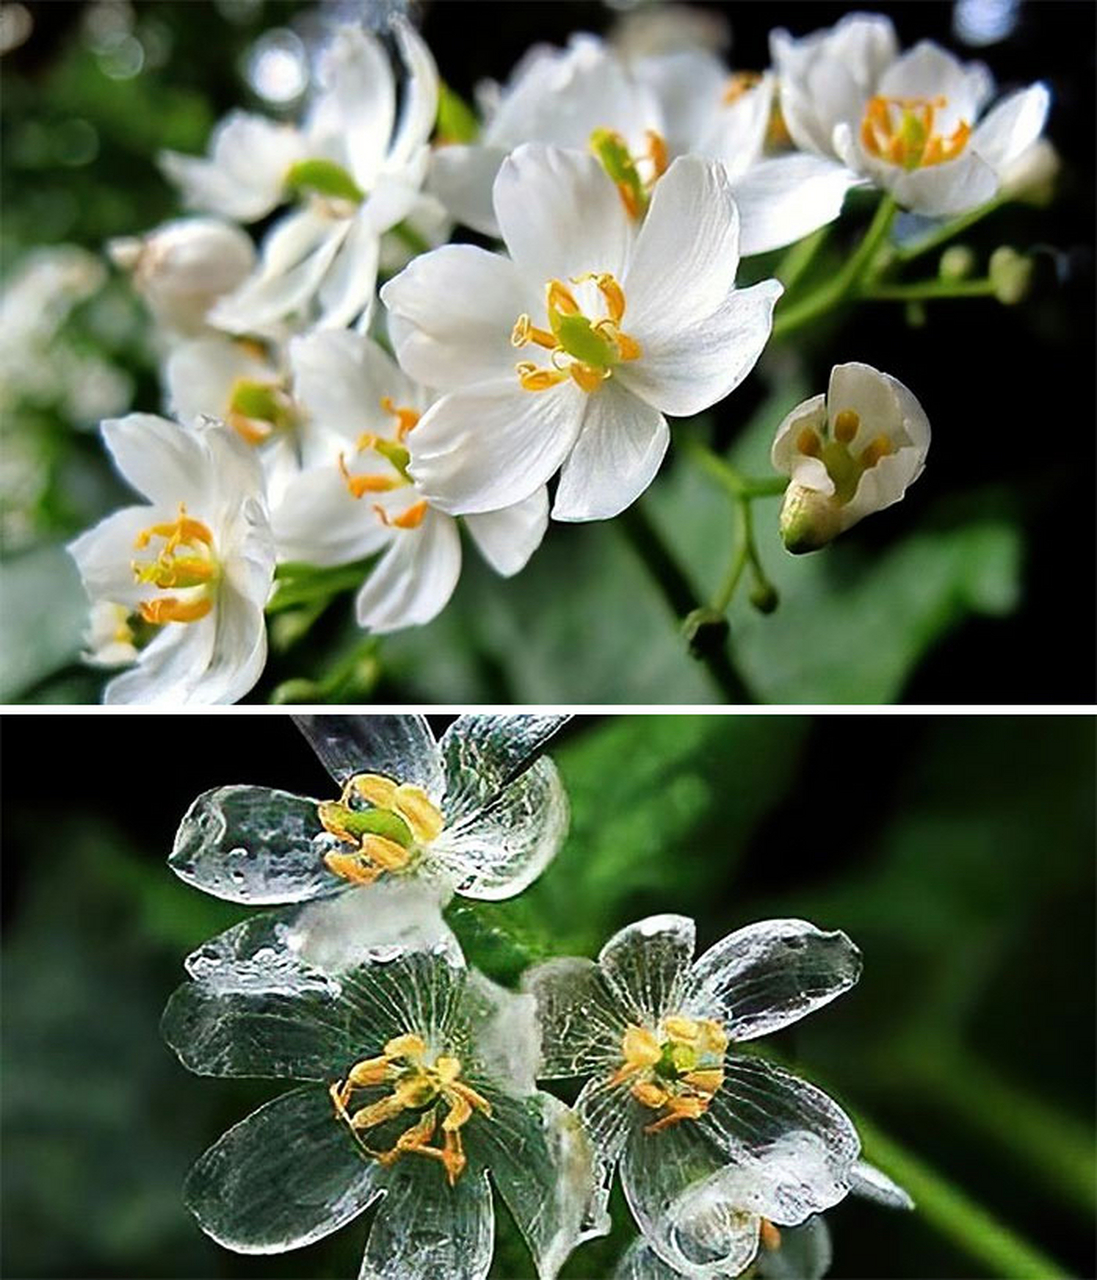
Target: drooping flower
(194, 564)
(419, 1086)
(356, 497)
(908, 124)
(353, 170)
(709, 1142)
(615, 326)
(850, 452)
(478, 811)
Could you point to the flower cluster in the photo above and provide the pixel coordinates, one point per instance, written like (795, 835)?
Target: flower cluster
(418, 1075)
(622, 182)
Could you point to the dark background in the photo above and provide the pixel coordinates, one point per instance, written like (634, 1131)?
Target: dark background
(957, 852)
(1009, 392)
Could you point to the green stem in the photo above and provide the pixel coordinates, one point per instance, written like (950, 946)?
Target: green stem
(947, 231)
(841, 285)
(729, 476)
(925, 289)
(303, 584)
(744, 541)
(954, 1214)
(799, 257)
(679, 594)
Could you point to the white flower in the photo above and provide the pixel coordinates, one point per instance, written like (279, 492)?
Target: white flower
(183, 267)
(196, 562)
(356, 498)
(355, 168)
(851, 452)
(710, 1143)
(909, 125)
(109, 635)
(623, 325)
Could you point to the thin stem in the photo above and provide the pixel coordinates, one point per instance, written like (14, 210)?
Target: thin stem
(679, 594)
(926, 289)
(799, 257)
(729, 476)
(744, 539)
(948, 231)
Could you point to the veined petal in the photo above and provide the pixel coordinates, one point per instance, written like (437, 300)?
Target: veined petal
(163, 461)
(1008, 130)
(786, 198)
(462, 177)
(287, 1175)
(607, 1113)
(340, 377)
(684, 372)
(767, 975)
(254, 845)
(805, 1253)
(560, 215)
(413, 581)
(616, 456)
(646, 964)
(581, 1027)
(488, 446)
(455, 310)
(400, 747)
(483, 754)
(942, 190)
(425, 1227)
(419, 992)
(319, 521)
(508, 537)
(498, 851)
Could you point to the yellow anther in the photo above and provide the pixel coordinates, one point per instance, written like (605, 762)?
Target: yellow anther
(406, 417)
(408, 1045)
(183, 531)
(656, 153)
(610, 290)
(171, 609)
(453, 1156)
(627, 348)
(640, 1047)
(558, 297)
(412, 518)
(588, 378)
(682, 1028)
(769, 1235)
(414, 1140)
(349, 866)
(369, 1072)
(384, 854)
(171, 570)
(713, 1038)
(808, 443)
(705, 1081)
(378, 1112)
(649, 1095)
(252, 431)
(419, 811)
(739, 85)
(372, 482)
(876, 449)
(901, 130)
(846, 424)
(533, 378)
(682, 1107)
(374, 788)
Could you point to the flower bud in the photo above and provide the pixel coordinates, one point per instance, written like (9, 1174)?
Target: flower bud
(1031, 177)
(1010, 274)
(764, 597)
(957, 262)
(809, 519)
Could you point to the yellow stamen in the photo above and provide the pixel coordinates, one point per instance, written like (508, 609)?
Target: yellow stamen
(534, 379)
(649, 1095)
(846, 424)
(808, 443)
(901, 130)
(558, 297)
(682, 1107)
(876, 449)
(384, 853)
(588, 378)
(374, 788)
(657, 153)
(349, 866)
(739, 85)
(196, 569)
(406, 417)
(412, 518)
(171, 609)
(371, 482)
(420, 812)
(252, 431)
(640, 1046)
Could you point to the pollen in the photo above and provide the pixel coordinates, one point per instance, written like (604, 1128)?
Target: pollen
(901, 131)
(674, 1070)
(381, 826)
(184, 562)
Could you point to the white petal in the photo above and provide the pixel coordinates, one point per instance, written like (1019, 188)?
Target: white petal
(941, 190)
(737, 133)
(200, 375)
(786, 198)
(239, 649)
(882, 404)
(462, 177)
(400, 747)
(508, 537)
(689, 85)
(104, 554)
(874, 1184)
(420, 107)
(413, 581)
(453, 311)
(616, 456)
(928, 71)
(646, 964)
(675, 280)
(560, 214)
(811, 413)
(358, 103)
(165, 462)
(340, 378)
(488, 446)
(347, 288)
(169, 671)
(1012, 126)
(685, 372)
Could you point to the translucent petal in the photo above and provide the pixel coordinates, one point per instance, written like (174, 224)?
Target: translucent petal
(873, 1184)
(497, 851)
(421, 992)
(772, 973)
(646, 963)
(581, 1028)
(254, 845)
(641, 1262)
(607, 1114)
(400, 747)
(805, 1253)
(425, 1227)
(506, 1038)
(482, 754)
(287, 1175)
(540, 1162)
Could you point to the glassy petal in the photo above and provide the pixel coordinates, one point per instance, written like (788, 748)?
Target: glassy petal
(482, 754)
(508, 537)
(497, 851)
(641, 1262)
(581, 1028)
(287, 1175)
(254, 845)
(645, 965)
(504, 1038)
(805, 1253)
(873, 1184)
(400, 747)
(419, 992)
(770, 974)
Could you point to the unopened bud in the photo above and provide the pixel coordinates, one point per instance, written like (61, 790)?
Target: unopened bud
(957, 262)
(1010, 274)
(764, 597)
(705, 630)
(1031, 177)
(809, 519)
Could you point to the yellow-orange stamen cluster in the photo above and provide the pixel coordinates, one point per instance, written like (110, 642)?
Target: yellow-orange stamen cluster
(844, 466)
(184, 562)
(739, 85)
(383, 824)
(394, 452)
(676, 1070)
(901, 130)
(415, 1084)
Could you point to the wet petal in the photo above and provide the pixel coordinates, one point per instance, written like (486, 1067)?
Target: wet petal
(420, 992)
(400, 747)
(770, 974)
(873, 1184)
(254, 845)
(482, 754)
(287, 1175)
(645, 965)
(805, 1253)
(497, 851)
(581, 1029)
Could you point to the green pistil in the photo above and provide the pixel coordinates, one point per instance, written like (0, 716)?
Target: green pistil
(843, 469)
(610, 149)
(374, 822)
(260, 401)
(581, 340)
(323, 178)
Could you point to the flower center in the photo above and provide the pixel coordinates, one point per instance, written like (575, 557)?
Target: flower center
(432, 1091)
(327, 181)
(624, 168)
(185, 562)
(579, 349)
(675, 1071)
(382, 823)
(395, 452)
(901, 130)
(844, 466)
(257, 408)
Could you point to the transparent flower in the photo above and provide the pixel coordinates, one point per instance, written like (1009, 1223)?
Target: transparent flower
(356, 497)
(194, 564)
(615, 327)
(851, 452)
(908, 124)
(474, 811)
(353, 169)
(709, 1142)
(183, 267)
(419, 1085)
